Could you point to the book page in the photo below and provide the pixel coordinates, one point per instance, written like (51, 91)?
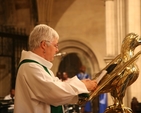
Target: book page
(104, 72)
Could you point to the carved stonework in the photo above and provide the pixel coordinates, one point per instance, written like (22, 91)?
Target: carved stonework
(44, 11)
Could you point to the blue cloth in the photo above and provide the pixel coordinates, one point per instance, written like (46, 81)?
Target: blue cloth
(102, 103)
(87, 107)
(82, 76)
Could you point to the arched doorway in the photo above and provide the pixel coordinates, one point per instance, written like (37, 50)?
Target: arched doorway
(70, 64)
(82, 51)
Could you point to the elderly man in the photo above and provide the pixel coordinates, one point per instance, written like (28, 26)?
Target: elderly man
(37, 89)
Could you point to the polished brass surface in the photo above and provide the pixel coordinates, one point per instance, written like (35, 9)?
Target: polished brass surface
(123, 75)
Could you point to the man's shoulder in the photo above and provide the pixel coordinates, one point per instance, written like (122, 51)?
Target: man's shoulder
(7, 97)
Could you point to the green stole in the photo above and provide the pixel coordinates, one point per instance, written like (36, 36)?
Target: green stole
(54, 109)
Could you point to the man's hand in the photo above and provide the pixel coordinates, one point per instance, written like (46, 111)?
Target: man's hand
(90, 84)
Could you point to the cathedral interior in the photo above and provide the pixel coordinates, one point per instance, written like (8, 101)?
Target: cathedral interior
(91, 34)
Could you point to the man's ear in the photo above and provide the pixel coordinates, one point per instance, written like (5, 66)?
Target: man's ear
(43, 44)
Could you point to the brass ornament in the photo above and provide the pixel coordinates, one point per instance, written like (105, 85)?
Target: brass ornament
(124, 71)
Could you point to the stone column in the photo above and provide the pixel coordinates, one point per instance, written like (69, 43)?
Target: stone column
(44, 8)
(110, 28)
(120, 23)
(133, 16)
(115, 31)
(133, 24)
(110, 35)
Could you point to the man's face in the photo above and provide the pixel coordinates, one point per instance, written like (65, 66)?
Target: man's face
(51, 50)
(12, 93)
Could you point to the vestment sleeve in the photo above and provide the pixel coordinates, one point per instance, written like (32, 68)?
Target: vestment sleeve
(48, 89)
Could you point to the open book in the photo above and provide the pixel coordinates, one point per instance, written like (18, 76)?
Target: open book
(102, 74)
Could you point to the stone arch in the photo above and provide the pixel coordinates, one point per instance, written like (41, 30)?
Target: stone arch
(85, 54)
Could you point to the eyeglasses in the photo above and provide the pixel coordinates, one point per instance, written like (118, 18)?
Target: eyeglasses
(55, 45)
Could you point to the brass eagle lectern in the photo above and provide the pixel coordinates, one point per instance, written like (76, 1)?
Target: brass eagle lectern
(122, 74)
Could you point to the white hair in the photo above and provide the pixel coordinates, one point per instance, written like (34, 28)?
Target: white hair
(39, 33)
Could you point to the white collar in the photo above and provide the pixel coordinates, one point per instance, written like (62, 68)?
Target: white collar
(33, 56)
